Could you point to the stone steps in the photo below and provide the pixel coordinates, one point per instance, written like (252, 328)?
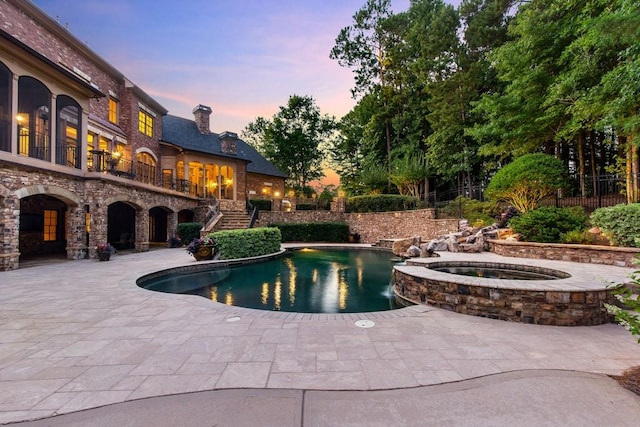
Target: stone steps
(233, 220)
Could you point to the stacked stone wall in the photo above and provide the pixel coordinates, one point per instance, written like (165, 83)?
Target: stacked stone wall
(79, 193)
(559, 308)
(592, 254)
(374, 226)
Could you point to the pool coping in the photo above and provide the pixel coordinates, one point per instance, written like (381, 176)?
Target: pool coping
(584, 277)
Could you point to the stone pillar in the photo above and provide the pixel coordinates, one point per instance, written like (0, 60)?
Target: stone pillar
(98, 226)
(10, 225)
(76, 233)
(340, 205)
(276, 205)
(142, 230)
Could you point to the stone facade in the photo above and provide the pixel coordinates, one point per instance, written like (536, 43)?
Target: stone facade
(56, 65)
(592, 254)
(579, 308)
(374, 226)
(79, 196)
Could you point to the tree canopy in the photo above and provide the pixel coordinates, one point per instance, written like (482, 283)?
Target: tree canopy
(293, 139)
(472, 88)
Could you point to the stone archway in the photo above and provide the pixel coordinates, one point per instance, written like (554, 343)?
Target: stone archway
(50, 223)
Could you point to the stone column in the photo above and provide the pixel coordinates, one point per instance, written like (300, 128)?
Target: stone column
(10, 224)
(142, 230)
(76, 232)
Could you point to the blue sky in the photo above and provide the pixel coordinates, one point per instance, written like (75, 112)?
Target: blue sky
(243, 58)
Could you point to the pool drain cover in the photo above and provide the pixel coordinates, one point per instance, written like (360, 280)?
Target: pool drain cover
(365, 324)
(233, 319)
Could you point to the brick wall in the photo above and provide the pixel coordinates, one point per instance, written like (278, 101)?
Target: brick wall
(256, 182)
(374, 226)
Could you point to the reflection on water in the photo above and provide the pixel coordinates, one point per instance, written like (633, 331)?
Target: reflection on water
(309, 281)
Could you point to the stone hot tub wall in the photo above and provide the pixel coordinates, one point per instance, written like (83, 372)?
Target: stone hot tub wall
(592, 254)
(374, 226)
(560, 308)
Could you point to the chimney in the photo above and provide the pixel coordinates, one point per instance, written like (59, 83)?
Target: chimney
(229, 142)
(201, 114)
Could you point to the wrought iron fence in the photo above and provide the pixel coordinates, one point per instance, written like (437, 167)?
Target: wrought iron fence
(591, 193)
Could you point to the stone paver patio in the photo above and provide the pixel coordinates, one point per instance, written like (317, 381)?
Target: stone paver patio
(77, 335)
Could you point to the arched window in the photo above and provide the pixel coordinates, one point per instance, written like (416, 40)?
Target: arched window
(68, 129)
(5, 108)
(226, 182)
(146, 170)
(34, 121)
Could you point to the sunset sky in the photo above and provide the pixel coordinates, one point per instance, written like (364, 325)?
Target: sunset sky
(243, 58)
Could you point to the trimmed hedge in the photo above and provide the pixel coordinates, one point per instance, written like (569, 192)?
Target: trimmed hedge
(261, 204)
(188, 231)
(383, 203)
(548, 224)
(337, 232)
(234, 244)
(620, 223)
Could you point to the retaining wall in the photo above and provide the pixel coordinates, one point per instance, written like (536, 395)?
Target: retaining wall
(592, 254)
(374, 226)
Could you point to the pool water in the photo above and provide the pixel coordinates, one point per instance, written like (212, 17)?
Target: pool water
(303, 281)
(496, 273)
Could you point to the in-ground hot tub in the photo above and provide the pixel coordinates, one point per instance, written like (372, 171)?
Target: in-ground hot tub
(519, 290)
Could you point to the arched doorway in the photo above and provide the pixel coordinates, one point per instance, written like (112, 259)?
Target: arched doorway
(42, 227)
(121, 225)
(185, 215)
(158, 223)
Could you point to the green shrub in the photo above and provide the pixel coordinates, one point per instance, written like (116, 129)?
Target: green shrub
(383, 203)
(476, 212)
(313, 231)
(620, 224)
(580, 237)
(188, 231)
(233, 244)
(305, 206)
(548, 224)
(627, 294)
(527, 180)
(261, 204)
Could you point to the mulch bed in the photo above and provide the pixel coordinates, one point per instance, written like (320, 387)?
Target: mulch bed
(630, 379)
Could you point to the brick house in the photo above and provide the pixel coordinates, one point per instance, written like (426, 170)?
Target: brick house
(83, 159)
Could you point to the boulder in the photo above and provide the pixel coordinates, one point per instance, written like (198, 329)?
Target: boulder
(413, 252)
(476, 246)
(400, 247)
(452, 244)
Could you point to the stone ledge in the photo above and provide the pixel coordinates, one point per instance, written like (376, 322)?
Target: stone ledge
(590, 254)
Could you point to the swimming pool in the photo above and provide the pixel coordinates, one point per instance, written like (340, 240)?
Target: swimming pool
(303, 280)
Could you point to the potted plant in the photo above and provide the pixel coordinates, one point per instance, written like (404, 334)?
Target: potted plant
(104, 251)
(202, 249)
(174, 242)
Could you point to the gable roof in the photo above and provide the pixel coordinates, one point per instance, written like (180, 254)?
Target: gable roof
(184, 133)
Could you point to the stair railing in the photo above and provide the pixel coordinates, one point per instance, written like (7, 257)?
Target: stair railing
(213, 215)
(253, 215)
